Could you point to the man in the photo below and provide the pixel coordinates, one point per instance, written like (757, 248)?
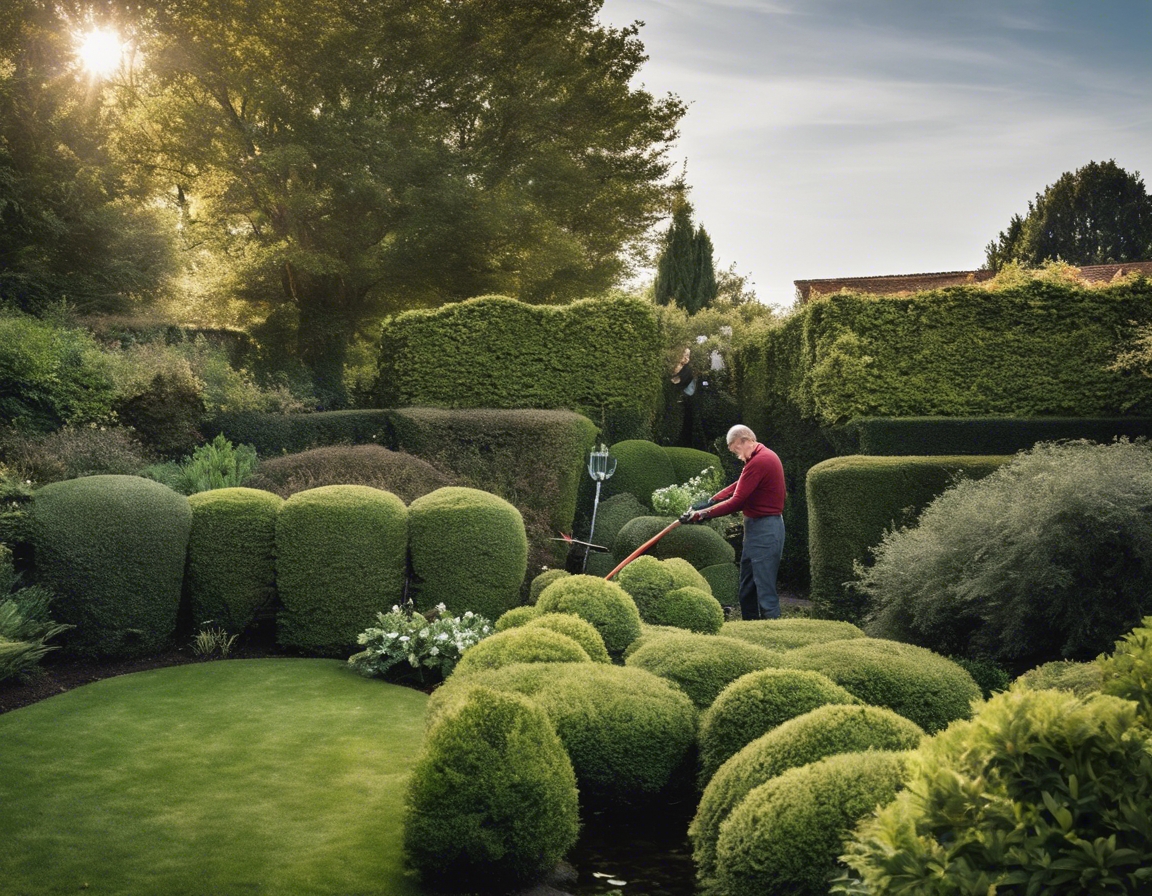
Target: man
(759, 493)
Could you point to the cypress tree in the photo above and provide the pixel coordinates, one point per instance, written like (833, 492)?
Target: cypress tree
(685, 272)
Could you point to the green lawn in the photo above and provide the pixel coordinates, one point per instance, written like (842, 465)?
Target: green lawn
(275, 776)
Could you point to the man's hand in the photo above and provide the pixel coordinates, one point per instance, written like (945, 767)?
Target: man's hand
(692, 516)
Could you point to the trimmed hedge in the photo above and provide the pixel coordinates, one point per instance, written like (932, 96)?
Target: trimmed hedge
(788, 634)
(468, 551)
(650, 633)
(405, 476)
(274, 434)
(690, 608)
(112, 550)
(699, 545)
(611, 516)
(232, 556)
(340, 558)
(787, 834)
(517, 616)
(605, 605)
(853, 500)
(825, 731)
(543, 580)
(492, 796)
(650, 581)
(702, 665)
(580, 631)
(641, 468)
(918, 684)
(520, 645)
(688, 463)
(753, 705)
(724, 582)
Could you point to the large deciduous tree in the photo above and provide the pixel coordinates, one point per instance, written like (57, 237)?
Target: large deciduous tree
(685, 270)
(351, 158)
(1098, 214)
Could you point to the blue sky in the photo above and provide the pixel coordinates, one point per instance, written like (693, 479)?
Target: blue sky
(832, 138)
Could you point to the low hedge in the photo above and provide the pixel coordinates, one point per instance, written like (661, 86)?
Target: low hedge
(274, 434)
(853, 500)
(699, 545)
(405, 476)
(788, 634)
(647, 580)
(753, 705)
(583, 633)
(690, 608)
(701, 665)
(340, 558)
(918, 684)
(523, 644)
(649, 633)
(724, 582)
(492, 796)
(787, 834)
(825, 731)
(231, 570)
(605, 605)
(468, 551)
(112, 549)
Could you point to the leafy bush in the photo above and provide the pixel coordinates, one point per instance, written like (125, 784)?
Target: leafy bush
(699, 545)
(690, 608)
(1127, 672)
(274, 433)
(583, 633)
(1042, 792)
(25, 625)
(756, 703)
(167, 414)
(542, 581)
(403, 636)
(516, 616)
(1047, 558)
(468, 551)
(492, 796)
(673, 500)
(613, 514)
(219, 464)
(646, 580)
(71, 452)
(641, 468)
(650, 633)
(1063, 675)
(724, 582)
(702, 665)
(340, 553)
(405, 476)
(605, 605)
(689, 462)
(788, 634)
(112, 550)
(824, 731)
(786, 835)
(918, 684)
(524, 644)
(989, 676)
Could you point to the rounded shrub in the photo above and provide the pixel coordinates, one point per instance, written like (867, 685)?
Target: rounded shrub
(787, 834)
(920, 685)
(340, 558)
(405, 476)
(612, 514)
(724, 580)
(604, 604)
(515, 617)
(685, 575)
(469, 551)
(756, 703)
(112, 549)
(580, 631)
(687, 463)
(788, 634)
(650, 633)
(1042, 791)
(232, 555)
(647, 580)
(702, 665)
(543, 580)
(690, 608)
(492, 796)
(641, 468)
(699, 545)
(824, 731)
(520, 645)
(1063, 675)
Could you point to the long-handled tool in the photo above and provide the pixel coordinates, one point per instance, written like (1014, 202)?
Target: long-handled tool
(685, 517)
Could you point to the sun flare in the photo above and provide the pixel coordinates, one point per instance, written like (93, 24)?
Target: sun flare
(100, 51)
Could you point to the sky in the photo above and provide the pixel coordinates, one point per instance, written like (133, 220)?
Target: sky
(842, 138)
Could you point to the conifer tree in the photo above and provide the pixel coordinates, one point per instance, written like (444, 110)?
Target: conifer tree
(685, 271)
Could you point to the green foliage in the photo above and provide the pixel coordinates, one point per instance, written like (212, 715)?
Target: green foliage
(673, 500)
(652, 582)
(492, 797)
(724, 582)
(112, 550)
(340, 554)
(583, 633)
(274, 433)
(989, 676)
(213, 640)
(231, 571)
(699, 545)
(25, 625)
(405, 476)
(786, 835)
(688, 462)
(523, 644)
(613, 513)
(753, 705)
(1127, 672)
(650, 633)
(606, 605)
(641, 468)
(825, 731)
(685, 271)
(468, 550)
(517, 616)
(917, 683)
(71, 452)
(701, 665)
(1042, 792)
(646, 580)
(542, 581)
(691, 608)
(788, 634)
(403, 637)
(854, 501)
(219, 464)
(1047, 558)
(1064, 675)
(166, 414)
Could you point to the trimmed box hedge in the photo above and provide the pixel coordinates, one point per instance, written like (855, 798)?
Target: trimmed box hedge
(702, 665)
(699, 545)
(275, 434)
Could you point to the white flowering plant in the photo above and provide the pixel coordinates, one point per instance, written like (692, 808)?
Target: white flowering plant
(432, 642)
(673, 500)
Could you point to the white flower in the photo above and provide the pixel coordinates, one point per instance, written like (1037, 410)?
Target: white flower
(434, 651)
(443, 636)
(468, 614)
(405, 638)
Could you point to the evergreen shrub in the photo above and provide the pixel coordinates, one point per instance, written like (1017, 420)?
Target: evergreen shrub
(231, 572)
(112, 549)
(25, 624)
(71, 452)
(825, 731)
(702, 665)
(166, 415)
(918, 684)
(1063, 675)
(340, 557)
(650, 633)
(613, 513)
(724, 582)
(690, 608)
(492, 796)
(468, 551)
(605, 605)
(685, 575)
(542, 581)
(641, 468)
(275, 434)
(689, 462)
(756, 703)
(647, 580)
(699, 545)
(523, 644)
(788, 634)
(517, 616)
(1127, 671)
(403, 475)
(580, 631)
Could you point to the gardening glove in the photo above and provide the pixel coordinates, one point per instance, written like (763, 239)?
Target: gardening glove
(692, 516)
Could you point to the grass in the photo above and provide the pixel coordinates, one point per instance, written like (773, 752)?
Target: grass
(277, 776)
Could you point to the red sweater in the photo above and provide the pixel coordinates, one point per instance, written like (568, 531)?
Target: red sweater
(758, 492)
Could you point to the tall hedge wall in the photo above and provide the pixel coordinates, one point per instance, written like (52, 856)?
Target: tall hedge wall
(852, 500)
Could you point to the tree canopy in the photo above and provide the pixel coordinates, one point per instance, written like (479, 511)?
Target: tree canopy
(685, 271)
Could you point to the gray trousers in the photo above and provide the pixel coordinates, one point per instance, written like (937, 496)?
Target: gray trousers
(759, 563)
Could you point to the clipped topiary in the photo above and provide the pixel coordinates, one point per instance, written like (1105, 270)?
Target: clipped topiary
(917, 683)
(405, 476)
(492, 796)
(650, 633)
(756, 703)
(232, 556)
(647, 580)
(1042, 791)
(786, 835)
(1063, 675)
(515, 617)
(699, 545)
(468, 550)
(724, 580)
(580, 631)
(542, 581)
(520, 645)
(340, 557)
(641, 468)
(612, 514)
(690, 608)
(604, 604)
(687, 463)
(788, 634)
(825, 731)
(702, 665)
(685, 575)
(112, 550)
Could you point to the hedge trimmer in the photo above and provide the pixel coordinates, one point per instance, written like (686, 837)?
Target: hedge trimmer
(685, 517)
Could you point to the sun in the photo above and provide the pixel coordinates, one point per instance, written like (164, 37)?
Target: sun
(100, 51)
